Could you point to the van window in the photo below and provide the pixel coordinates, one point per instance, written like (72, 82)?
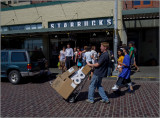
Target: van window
(4, 56)
(18, 57)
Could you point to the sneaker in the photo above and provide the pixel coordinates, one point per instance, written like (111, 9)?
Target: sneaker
(115, 87)
(89, 101)
(103, 101)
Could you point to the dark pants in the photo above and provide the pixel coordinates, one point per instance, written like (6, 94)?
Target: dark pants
(122, 81)
(69, 62)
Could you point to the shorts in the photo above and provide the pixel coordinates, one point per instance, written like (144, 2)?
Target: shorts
(62, 63)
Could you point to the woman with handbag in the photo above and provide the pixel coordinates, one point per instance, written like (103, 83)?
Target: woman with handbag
(79, 57)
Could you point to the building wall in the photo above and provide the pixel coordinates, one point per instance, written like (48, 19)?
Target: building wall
(129, 5)
(60, 12)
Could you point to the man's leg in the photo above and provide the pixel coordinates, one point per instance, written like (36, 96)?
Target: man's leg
(67, 63)
(101, 90)
(92, 88)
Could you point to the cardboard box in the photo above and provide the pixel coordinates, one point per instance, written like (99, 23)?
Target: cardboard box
(67, 88)
(57, 83)
(86, 69)
(69, 72)
(64, 85)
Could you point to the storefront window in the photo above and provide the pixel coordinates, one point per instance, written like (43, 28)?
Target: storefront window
(39, 26)
(33, 27)
(33, 44)
(22, 27)
(27, 27)
(13, 28)
(4, 28)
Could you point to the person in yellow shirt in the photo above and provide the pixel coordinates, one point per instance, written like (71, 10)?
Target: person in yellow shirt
(120, 60)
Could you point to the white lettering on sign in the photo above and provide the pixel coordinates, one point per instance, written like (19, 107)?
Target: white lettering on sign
(65, 24)
(59, 25)
(100, 22)
(85, 23)
(93, 22)
(78, 23)
(72, 24)
(109, 22)
(52, 25)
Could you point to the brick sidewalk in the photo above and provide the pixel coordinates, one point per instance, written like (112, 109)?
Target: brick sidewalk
(38, 99)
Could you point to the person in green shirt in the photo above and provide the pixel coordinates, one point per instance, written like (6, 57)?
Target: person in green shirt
(132, 55)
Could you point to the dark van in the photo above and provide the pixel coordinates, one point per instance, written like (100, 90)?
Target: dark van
(16, 64)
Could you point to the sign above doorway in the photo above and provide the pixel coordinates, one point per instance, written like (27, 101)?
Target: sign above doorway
(84, 23)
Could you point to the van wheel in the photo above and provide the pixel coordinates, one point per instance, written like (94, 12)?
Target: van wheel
(14, 77)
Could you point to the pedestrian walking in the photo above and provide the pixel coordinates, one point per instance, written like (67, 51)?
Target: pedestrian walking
(87, 55)
(101, 68)
(110, 64)
(79, 57)
(124, 77)
(74, 56)
(120, 60)
(62, 59)
(135, 55)
(132, 55)
(69, 56)
(83, 52)
(94, 56)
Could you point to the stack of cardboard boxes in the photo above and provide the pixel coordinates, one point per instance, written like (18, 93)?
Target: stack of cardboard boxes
(65, 84)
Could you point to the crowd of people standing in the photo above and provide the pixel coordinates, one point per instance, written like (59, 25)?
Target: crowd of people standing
(70, 57)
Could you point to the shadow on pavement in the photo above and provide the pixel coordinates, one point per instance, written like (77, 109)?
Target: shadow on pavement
(34, 80)
(39, 79)
(84, 95)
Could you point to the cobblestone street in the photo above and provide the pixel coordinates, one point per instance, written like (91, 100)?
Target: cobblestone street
(38, 99)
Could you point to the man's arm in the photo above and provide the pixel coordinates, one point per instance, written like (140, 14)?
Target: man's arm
(72, 53)
(93, 65)
(131, 54)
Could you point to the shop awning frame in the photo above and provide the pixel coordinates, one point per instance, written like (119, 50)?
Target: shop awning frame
(146, 13)
(45, 30)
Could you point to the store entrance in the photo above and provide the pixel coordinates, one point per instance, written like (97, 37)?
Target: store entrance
(76, 40)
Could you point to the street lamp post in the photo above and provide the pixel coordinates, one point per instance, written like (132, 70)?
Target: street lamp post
(115, 36)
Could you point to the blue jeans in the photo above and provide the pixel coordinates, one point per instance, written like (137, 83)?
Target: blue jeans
(84, 62)
(96, 83)
(109, 69)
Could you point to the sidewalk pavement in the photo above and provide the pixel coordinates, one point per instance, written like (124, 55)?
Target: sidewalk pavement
(149, 73)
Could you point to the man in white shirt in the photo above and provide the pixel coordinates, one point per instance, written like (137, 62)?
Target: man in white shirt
(94, 55)
(87, 55)
(69, 56)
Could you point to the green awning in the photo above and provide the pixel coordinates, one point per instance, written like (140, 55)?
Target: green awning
(43, 30)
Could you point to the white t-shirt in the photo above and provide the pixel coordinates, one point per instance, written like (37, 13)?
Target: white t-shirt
(87, 55)
(62, 55)
(69, 52)
(94, 53)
